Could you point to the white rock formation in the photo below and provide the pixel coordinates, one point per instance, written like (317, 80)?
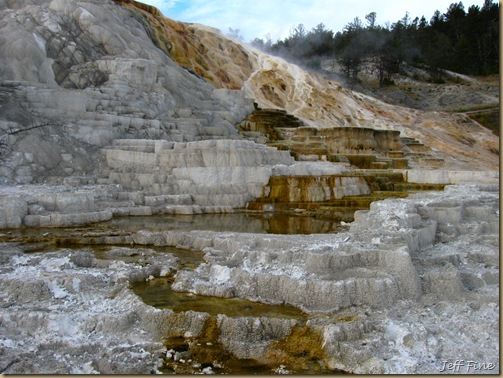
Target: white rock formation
(410, 286)
(218, 173)
(51, 206)
(422, 253)
(69, 313)
(80, 74)
(450, 177)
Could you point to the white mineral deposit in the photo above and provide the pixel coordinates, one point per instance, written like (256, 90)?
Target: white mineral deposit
(108, 114)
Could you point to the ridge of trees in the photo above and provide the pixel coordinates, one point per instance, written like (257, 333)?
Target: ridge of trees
(464, 41)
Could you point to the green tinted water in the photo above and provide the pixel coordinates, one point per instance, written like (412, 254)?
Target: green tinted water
(272, 223)
(158, 293)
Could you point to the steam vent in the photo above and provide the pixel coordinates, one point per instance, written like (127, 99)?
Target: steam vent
(173, 201)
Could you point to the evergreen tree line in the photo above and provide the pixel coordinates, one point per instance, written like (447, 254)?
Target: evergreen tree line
(464, 41)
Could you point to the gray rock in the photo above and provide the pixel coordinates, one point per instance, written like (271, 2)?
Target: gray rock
(445, 283)
(249, 337)
(12, 211)
(102, 81)
(66, 220)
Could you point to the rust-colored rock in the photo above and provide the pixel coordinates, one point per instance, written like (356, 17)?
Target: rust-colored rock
(202, 50)
(457, 141)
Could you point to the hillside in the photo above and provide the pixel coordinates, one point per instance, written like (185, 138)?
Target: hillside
(80, 79)
(114, 66)
(412, 87)
(172, 201)
(274, 83)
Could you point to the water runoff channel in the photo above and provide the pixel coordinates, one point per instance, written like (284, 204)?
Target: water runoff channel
(157, 292)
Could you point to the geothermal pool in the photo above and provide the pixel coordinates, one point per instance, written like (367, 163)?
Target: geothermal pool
(157, 292)
(95, 298)
(271, 223)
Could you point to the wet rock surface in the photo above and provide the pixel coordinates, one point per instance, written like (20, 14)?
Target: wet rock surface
(411, 285)
(98, 122)
(69, 313)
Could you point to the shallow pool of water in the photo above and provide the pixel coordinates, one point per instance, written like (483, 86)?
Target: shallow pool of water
(273, 223)
(158, 293)
(232, 222)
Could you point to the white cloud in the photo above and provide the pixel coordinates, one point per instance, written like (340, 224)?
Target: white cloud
(260, 17)
(163, 5)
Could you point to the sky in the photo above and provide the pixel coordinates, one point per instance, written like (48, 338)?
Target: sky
(276, 18)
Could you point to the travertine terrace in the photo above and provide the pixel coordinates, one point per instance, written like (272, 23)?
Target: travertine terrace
(109, 111)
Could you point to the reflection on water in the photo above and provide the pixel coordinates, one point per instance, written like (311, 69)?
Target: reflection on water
(158, 293)
(273, 223)
(207, 349)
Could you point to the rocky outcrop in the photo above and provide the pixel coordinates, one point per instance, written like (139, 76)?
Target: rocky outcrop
(94, 324)
(405, 280)
(51, 206)
(363, 147)
(417, 259)
(218, 173)
(309, 189)
(384, 241)
(69, 99)
(451, 177)
(201, 49)
(314, 277)
(97, 120)
(88, 81)
(321, 103)
(332, 192)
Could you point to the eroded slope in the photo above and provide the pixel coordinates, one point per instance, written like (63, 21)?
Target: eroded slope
(275, 83)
